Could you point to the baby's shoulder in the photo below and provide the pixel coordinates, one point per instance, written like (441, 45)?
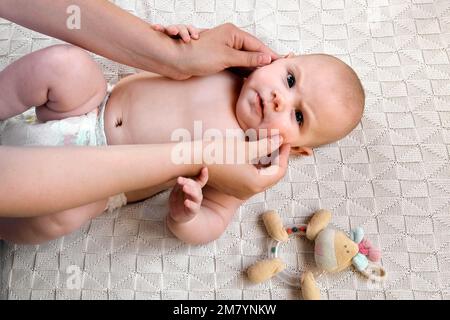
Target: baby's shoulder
(225, 79)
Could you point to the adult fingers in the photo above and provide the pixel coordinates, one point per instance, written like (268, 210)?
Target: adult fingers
(278, 167)
(242, 40)
(263, 147)
(240, 58)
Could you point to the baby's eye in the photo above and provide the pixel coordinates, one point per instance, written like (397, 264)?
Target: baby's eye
(299, 117)
(290, 80)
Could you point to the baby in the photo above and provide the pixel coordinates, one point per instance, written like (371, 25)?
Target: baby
(311, 100)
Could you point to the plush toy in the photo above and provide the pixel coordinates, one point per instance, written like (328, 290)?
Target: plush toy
(334, 251)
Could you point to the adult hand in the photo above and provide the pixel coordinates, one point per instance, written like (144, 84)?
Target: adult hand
(245, 180)
(217, 49)
(129, 40)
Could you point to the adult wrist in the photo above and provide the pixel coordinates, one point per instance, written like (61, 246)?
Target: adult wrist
(163, 56)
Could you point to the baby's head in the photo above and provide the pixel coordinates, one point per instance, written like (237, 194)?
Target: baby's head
(311, 99)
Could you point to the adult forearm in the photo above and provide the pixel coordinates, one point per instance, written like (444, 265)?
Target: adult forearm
(37, 181)
(104, 29)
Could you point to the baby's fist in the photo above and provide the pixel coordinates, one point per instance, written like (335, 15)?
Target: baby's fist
(186, 198)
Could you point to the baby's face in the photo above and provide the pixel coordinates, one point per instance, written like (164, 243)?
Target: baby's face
(299, 96)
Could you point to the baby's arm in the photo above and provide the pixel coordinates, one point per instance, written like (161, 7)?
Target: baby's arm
(198, 217)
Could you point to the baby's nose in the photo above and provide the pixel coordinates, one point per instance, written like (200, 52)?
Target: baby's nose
(278, 101)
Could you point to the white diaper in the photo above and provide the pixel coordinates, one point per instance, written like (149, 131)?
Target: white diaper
(85, 130)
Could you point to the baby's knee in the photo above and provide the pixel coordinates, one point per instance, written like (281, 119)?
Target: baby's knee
(63, 57)
(70, 62)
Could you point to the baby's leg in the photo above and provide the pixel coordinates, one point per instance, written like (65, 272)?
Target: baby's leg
(45, 228)
(61, 81)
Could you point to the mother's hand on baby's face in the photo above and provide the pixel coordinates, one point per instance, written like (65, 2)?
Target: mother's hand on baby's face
(245, 180)
(220, 48)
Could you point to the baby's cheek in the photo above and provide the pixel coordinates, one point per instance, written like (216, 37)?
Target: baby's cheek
(290, 134)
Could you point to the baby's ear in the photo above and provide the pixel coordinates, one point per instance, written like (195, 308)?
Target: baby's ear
(301, 151)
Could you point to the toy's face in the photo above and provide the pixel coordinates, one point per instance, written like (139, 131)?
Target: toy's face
(324, 252)
(346, 249)
(333, 250)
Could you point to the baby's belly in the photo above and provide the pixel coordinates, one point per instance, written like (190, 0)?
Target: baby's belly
(117, 131)
(115, 122)
(131, 119)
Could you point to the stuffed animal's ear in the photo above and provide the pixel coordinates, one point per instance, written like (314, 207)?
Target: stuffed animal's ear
(318, 222)
(357, 234)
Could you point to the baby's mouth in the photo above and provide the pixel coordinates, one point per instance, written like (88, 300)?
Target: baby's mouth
(259, 103)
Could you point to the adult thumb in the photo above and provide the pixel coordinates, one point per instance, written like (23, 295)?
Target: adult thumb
(248, 59)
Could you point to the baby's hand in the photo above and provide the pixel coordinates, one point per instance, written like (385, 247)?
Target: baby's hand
(185, 32)
(186, 198)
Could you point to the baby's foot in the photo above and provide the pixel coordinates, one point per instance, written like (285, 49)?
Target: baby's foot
(186, 198)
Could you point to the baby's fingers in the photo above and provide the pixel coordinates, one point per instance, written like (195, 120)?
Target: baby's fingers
(158, 27)
(179, 30)
(194, 32)
(193, 192)
(191, 205)
(176, 193)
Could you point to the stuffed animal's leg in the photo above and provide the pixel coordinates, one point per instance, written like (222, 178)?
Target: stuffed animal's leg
(264, 270)
(310, 291)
